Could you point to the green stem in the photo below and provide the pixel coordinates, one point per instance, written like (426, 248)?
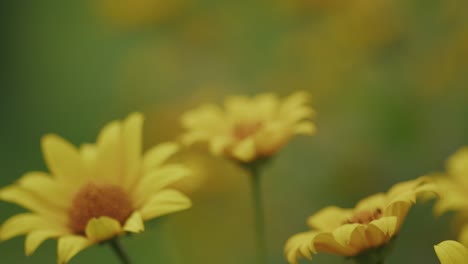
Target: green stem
(258, 214)
(119, 251)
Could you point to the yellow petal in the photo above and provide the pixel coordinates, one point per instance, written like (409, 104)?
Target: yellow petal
(405, 190)
(29, 201)
(294, 101)
(329, 218)
(193, 136)
(239, 107)
(463, 235)
(398, 209)
(306, 128)
(271, 138)
(134, 223)
(326, 242)
(158, 154)
(205, 116)
(165, 202)
(388, 225)
(245, 150)
(375, 236)
(457, 166)
(266, 106)
(452, 196)
(63, 159)
(219, 144)
(69, 246)
(300, 245)
(46, 189)
(404, 195)
(303, 244)
(158, 179)
(102, 228)
(132, 141)
(88, 154)
(110, 159)
(35, 238)
(204, 123)
(372, 202)
(294, 107)
(343, 234)
(352, 235)
(21, 224)
(451, 252)
(359, 238)
(428, 191)
(299, 114)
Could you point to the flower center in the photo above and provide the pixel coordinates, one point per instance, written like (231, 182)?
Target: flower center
(95, 200)
(364, 217)
(244, 130)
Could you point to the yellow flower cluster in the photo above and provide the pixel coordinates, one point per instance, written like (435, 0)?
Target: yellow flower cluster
(98, 192)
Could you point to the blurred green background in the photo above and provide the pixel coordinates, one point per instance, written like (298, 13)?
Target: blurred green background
(389, 80)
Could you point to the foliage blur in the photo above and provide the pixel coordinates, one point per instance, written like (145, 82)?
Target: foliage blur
(389, 80)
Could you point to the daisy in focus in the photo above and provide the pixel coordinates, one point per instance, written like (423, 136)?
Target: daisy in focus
(451, 252)
(249, 128)
(357, 232)
(453, 186)
(94, 193)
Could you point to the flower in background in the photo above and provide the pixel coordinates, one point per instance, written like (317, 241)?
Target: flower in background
(250, 128)
(453, 188)
(356, 232)
(451, 252)
(94, 193)
(454, 185)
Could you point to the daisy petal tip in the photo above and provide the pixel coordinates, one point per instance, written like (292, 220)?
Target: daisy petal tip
(102, 228)
(134, 223)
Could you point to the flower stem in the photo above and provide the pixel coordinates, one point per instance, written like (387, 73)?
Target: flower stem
(258, 214)
(119, 251)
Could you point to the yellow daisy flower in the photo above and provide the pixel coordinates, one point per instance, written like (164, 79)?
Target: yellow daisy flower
(451, 252)
(94, 193)
(249, 128)
(349, 232)
(454, 185)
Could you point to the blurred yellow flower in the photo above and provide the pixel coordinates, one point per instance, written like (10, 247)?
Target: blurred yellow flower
(96, 192)
(453, 187)
(249, 128)
(451, 252)
(349, 232)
